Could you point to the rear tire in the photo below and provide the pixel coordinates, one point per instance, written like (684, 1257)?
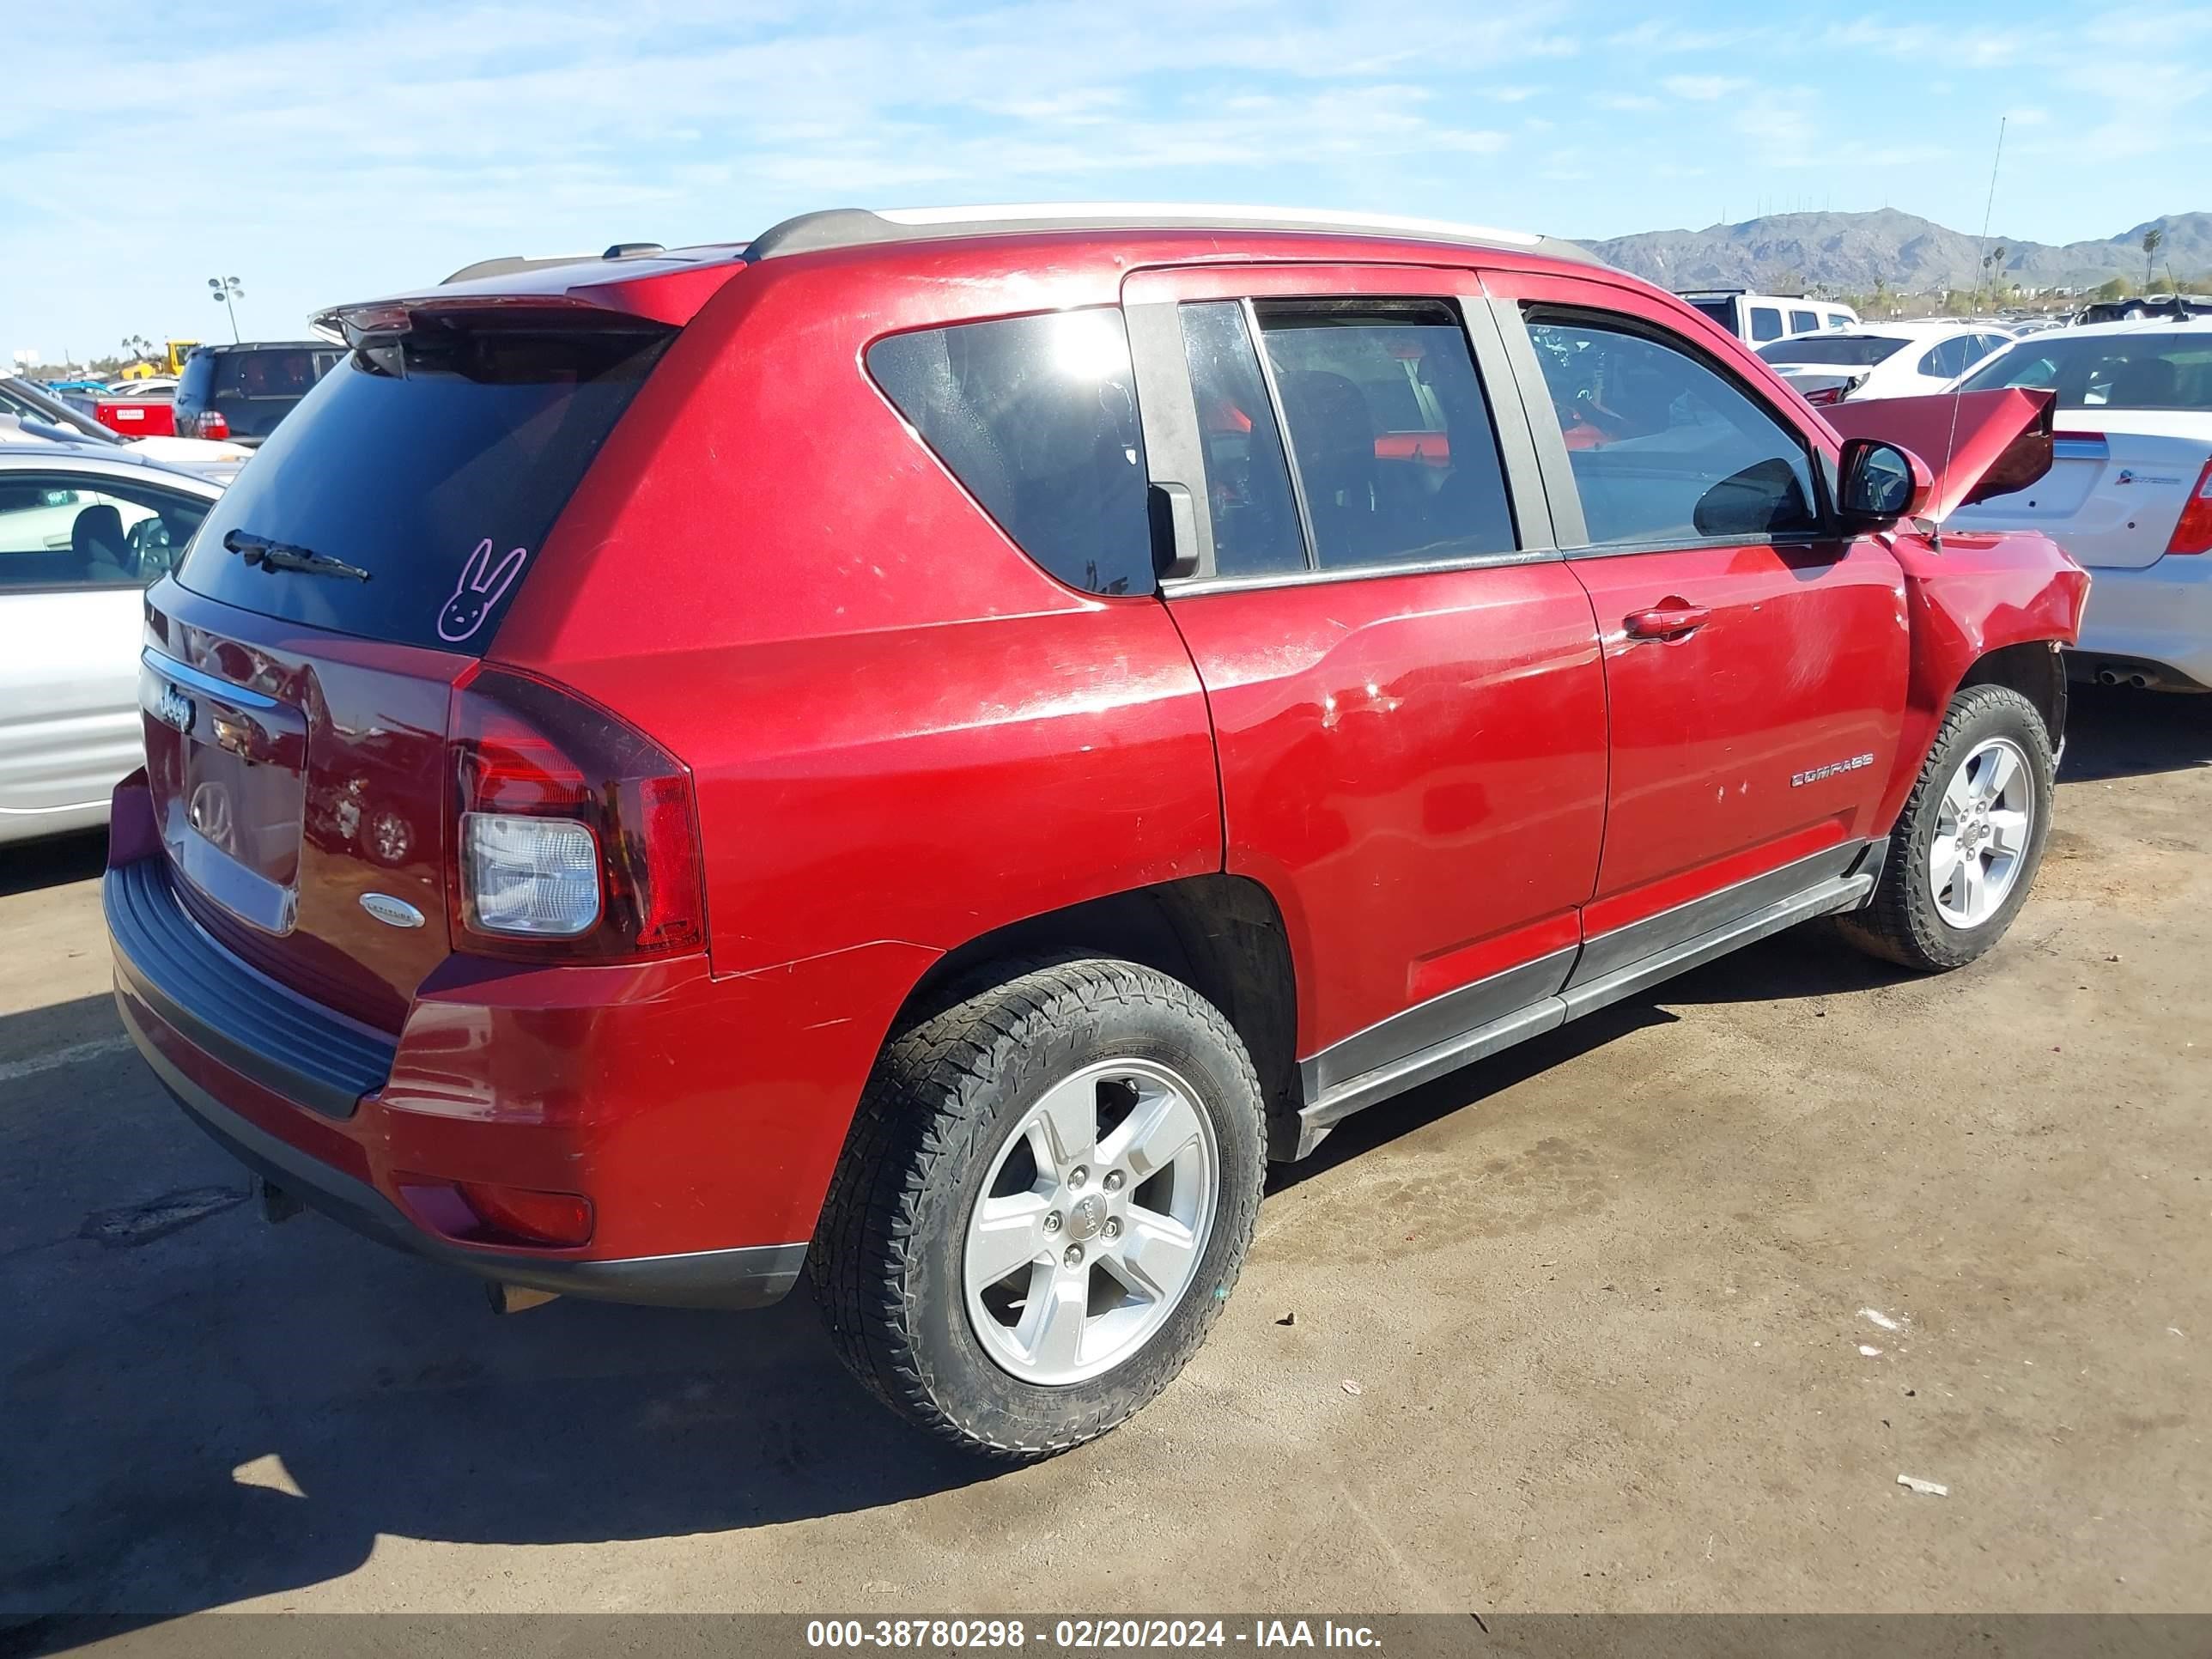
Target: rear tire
(1046, 1195)
(1966, 847)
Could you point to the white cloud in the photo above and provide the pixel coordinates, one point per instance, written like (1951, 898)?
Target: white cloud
(1704, 88)
(1655, 36)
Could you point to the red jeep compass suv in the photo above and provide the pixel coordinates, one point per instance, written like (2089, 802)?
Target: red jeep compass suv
(928, 747)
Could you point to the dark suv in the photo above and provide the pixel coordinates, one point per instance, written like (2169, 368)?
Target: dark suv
(926, 747)
(240, 392)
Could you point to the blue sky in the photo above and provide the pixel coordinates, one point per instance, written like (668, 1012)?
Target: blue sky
(328, 152)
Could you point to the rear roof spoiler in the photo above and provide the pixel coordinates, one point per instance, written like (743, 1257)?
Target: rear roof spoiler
(1978, 444)
(635, 279)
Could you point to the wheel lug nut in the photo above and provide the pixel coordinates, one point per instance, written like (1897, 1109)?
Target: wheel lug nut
(1114, 1180)
(1112, 1227)
(1074, 1256)
(1077, 1175)
(1052, 1222)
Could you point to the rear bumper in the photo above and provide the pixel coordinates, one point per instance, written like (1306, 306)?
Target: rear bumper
(2159, 617)
(748, 1276)
(304, 1097)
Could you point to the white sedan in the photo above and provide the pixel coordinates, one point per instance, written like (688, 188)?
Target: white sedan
(1882, 359)
(83, 529)
(2130, 489)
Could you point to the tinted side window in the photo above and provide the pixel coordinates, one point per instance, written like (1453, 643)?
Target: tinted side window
(1393, 439)
(1802, 322)
(1037, 417)
(1766, 323)
(1248, 483)
(57, 532)
(1663, 447)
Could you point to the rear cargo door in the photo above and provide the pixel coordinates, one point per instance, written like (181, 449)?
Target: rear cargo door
(296, 681)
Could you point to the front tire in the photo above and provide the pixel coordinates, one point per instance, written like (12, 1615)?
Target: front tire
(1046, 1196)
(1966, 847)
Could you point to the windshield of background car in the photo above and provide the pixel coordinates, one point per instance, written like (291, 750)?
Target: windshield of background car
(438, 464)
(1721, 311)
(2150, 370)
(1853, 351)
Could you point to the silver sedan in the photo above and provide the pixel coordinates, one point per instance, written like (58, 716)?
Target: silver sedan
(83, 533)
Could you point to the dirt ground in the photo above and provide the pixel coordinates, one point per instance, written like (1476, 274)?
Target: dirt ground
(1649, 1314)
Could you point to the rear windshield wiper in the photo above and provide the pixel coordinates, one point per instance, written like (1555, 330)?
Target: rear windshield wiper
(283, 555)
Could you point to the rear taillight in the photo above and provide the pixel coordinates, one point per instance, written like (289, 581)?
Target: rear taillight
(1825, 394)
(2192, 531)
(211, 423)
(575, 837)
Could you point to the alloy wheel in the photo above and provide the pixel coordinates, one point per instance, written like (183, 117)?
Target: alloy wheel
(1090, 1226)
(1982, 830)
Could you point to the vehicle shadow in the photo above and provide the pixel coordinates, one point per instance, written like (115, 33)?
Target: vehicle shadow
(206, 1408)
(2117, 732)
(56, 861)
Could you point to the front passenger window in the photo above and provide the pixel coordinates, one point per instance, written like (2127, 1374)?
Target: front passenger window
(1664, 447)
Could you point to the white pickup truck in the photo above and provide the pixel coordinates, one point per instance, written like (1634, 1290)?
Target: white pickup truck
(1755, 318)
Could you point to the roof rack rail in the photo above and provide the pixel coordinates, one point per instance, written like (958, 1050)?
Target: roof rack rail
(840, 227)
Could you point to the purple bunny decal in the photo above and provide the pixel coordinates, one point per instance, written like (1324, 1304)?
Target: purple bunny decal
(478, 590)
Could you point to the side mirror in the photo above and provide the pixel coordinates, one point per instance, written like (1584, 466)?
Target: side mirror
(1882, 482)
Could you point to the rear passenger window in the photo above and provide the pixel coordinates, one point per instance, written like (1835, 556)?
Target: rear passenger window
(1248, 483)
(1663, 447)
(1396, 455)
(1945, 360)
(1766, 323)
(1804, 322)
(1037, 417)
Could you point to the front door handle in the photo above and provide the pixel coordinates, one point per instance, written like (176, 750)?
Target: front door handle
(1670, 619)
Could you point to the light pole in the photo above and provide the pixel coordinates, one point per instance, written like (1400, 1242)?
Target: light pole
(226, 290)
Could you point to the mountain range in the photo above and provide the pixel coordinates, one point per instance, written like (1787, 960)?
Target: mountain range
(1851, 251)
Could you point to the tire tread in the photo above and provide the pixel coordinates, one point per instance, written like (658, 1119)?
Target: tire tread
(923, 1103)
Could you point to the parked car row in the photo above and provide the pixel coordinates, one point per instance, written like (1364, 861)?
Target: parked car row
(1894, 360)
(232, 393)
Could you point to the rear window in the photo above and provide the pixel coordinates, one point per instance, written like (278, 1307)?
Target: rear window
(1857, 351)
(1802, 322)
(437, 465)
(256, 388)
(2123, 371)
(1037, 417)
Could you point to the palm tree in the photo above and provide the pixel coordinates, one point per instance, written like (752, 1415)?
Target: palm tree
(2151, 239)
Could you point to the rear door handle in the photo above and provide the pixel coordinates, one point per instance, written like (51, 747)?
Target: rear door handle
(1670, 619)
